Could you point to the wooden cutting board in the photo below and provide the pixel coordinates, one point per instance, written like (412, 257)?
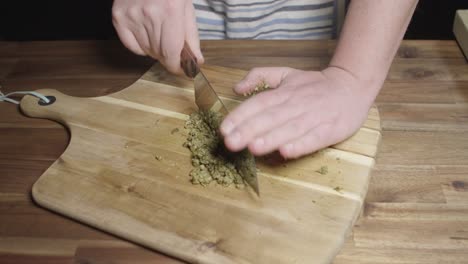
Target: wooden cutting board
(109, 177)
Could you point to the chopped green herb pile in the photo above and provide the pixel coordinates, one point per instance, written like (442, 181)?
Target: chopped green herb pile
(211, 160)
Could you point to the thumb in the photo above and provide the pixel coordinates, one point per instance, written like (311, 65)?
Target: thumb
(271, 76)
(191, 32)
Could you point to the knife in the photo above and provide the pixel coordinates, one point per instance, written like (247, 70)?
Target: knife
(205, 96)
(207, 100)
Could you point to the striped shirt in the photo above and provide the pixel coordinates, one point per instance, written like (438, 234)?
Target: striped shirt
(268, 19)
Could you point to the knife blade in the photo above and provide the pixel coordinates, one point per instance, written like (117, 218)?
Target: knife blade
(207, 99)
(205, 96)
(248, 170)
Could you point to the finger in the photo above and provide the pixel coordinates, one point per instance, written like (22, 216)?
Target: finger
(191, 32)
(129, 40)
(251, 107)
(289, 131)
(154, 34)
(315, 139)
(120, 19)
(271, 75)
(257, 125)
(172, 42)
(142, 37)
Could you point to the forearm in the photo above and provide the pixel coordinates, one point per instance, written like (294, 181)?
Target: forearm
(370, 37)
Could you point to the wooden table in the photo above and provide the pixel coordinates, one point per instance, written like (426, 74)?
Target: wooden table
(417, 206)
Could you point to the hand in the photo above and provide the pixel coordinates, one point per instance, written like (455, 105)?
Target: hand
(158, 28)
(304, 112)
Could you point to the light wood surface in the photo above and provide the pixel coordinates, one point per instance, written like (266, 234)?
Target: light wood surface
(415, 210)
(109, 178)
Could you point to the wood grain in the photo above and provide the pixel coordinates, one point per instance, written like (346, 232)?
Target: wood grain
(419, 180)
(108, 178)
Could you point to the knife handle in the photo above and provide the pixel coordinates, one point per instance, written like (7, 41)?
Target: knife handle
(188, 62)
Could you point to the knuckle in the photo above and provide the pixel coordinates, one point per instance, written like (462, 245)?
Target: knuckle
(133, 13)
(118, 14)
(173, 7)
(150, 10)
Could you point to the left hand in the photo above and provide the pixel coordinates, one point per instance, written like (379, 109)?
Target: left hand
(304, 112)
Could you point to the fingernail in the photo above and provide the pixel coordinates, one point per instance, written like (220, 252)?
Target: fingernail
(259, 142)
(226, 127)
(288, 148)
(234, 138)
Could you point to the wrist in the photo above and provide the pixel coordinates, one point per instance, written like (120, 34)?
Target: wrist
(366, 88)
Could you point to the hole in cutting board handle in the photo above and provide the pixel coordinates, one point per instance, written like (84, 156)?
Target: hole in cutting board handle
(51, 98)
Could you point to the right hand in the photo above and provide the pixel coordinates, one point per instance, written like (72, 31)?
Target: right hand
(158, 28)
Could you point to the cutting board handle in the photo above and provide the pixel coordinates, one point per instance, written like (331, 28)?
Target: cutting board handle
(60, 105)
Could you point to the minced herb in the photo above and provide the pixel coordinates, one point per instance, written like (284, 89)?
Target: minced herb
(175, 130)
(260, 87)
(338, 189)
(323, 170)
(211, 160)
